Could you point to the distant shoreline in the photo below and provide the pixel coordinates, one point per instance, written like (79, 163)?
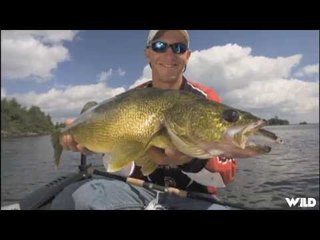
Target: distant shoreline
(308, 123)
(292, 124)
(5, 134)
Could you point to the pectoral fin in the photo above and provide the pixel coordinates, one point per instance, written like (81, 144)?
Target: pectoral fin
(147, 164)
(123, 154)
(160, 140)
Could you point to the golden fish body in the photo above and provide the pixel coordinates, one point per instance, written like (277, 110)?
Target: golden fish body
(127, 125)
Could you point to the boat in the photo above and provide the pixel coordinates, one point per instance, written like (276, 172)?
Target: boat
(41, 198)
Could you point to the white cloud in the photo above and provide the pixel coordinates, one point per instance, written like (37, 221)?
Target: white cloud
(146, 76)
(67, 103)
(106, 75)
(232, 66)
(45, 36)
(308, 70)
(292, 98)
(121, 72)
(33, 54)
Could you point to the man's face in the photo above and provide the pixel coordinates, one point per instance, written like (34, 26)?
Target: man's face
(168, 66)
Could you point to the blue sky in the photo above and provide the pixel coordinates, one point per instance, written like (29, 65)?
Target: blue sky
(266, 72)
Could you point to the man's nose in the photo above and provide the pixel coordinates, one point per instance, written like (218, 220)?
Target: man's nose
(170, 51)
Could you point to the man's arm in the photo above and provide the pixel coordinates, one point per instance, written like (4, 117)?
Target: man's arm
(217, 171)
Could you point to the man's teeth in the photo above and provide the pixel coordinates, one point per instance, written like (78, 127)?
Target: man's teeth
(168, 66)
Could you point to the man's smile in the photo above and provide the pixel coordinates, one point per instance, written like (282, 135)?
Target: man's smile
(168, 65)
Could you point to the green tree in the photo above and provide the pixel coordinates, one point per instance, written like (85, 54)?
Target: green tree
(18, 120)
(277, 121)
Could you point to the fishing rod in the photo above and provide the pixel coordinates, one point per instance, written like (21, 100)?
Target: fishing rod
(45, 194)
(170, 190)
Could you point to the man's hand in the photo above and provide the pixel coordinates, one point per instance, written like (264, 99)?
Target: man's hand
(68, 141)
(168, 156)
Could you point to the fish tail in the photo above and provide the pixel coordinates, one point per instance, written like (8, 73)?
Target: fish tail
(55, 139)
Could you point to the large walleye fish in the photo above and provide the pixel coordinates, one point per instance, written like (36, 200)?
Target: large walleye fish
(127, 125)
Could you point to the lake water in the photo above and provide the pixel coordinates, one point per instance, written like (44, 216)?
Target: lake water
(291, 170)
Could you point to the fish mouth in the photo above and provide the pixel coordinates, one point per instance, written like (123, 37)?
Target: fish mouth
(243, 137)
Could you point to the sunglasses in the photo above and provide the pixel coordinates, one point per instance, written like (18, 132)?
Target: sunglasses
(161, 47)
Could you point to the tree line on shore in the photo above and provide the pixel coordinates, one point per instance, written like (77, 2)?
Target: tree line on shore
(277, 121)
(17, 120)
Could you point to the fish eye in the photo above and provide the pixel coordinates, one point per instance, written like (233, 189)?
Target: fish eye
(230, 115)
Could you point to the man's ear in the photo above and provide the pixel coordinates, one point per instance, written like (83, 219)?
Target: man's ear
(188, 54)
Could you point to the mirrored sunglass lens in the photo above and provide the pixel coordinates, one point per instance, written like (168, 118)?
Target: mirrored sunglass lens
(159, 46)
(179, 48)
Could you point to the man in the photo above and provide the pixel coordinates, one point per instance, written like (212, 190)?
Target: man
(168, 53)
